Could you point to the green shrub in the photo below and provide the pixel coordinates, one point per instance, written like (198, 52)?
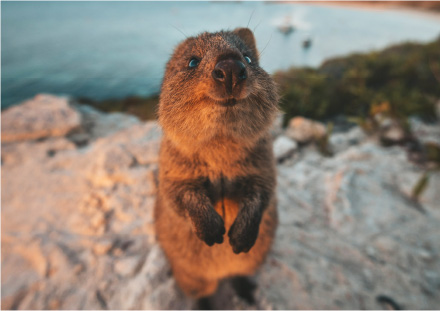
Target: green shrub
(405, 76)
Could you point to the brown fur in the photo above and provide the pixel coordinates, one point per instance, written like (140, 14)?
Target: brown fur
(217, 170)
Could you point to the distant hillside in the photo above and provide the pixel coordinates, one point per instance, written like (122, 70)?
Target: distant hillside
(422, 5)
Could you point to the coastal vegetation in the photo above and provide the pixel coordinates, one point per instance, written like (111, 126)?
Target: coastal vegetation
(402, 80)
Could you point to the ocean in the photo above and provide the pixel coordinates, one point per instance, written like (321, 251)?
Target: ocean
(102, 50)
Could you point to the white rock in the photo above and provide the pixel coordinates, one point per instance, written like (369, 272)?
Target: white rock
(283, 147)
(342, 141)
(304, 130)
(391, 131)
(99, 124)
(426, 133)
(348, 230)
(43, 116)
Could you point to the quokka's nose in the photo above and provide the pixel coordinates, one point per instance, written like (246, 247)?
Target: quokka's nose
(230, 72)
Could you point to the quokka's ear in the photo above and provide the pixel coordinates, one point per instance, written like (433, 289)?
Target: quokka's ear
(247, 36)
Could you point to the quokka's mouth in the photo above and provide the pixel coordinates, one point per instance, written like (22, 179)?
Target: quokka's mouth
(229, 102)
(226, 102)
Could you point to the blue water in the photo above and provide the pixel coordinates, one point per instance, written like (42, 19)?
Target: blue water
(117, 49)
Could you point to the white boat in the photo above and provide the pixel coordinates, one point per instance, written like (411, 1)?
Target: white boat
(287, 27)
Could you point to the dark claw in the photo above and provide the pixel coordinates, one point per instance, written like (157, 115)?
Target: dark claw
(210, 227)
(243, 235)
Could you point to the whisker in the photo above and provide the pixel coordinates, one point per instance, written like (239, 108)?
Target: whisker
(254, 30)
(252, 13)
(186, 37)
(266, 45)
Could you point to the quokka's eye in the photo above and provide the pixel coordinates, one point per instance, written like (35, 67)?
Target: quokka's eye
(248, 59)
(194, 62)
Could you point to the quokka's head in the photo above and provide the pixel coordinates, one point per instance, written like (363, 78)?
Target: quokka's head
(213, 85)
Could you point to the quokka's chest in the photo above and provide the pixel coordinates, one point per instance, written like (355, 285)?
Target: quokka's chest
(225, 195)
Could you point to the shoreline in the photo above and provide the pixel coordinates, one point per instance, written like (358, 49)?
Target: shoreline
(395, 6)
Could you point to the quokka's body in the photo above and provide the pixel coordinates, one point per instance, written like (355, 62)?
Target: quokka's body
(216, 208)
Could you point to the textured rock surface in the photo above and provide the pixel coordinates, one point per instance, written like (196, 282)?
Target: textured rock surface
(304, 130)
(342, 141)
(96, 124)
(350, 233)
(42, 116)
(77, 226)
(283, 147)
(77, 229)
(425, 133)
(390, 130)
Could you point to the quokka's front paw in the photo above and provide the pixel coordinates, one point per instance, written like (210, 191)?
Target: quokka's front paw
(209, 226)
(243, 234)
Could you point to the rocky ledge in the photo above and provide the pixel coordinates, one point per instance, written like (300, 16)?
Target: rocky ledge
(78, 188)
